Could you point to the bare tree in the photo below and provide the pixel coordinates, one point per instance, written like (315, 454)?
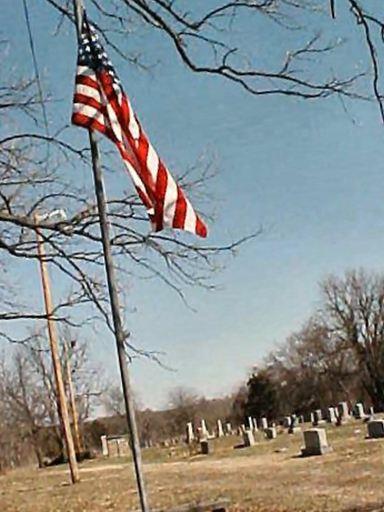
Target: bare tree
(32, 177)
(312, 369)
(354, 312)
(113, 401)
(213, 29)
(369, 18)
(33, 181)
(183, 405)
(21, 395)
(28, 396)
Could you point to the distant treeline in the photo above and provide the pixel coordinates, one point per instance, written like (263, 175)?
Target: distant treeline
(338, 355)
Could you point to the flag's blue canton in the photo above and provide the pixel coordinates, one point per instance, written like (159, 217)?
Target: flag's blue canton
(92, 53)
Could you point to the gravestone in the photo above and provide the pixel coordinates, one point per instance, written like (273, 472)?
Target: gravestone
(228, 429)
(104, 445)
(205, 447)
(263, 423)
(293, 427)
(287, 422)
(190, 433)
(359, 411)
(371, 411)
(375, 428)
(343, 411)
(270, 433)
(318, 417)
(248, 439)
(113, 448)
(254, 424)
(331, 415)
(219, 429)
(117, 446)
(315, 441)
(204, 430)
(249, 423)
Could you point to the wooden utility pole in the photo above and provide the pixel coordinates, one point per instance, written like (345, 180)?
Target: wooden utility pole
(72, 397)
(120, 336)
(52, 334)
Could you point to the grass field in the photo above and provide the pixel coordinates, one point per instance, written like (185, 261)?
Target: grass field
(269, 477)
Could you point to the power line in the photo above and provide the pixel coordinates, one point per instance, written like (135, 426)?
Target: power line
(36, 66)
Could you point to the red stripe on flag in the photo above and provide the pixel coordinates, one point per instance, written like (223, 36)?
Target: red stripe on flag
(88, 100)
(141, 152)
(161, 188)
(87, 80)
(180, 211)
(201, 228)
(89, 122)
(114, 117)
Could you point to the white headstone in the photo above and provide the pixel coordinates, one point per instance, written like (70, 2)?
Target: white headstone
(248, 438)
(263, 423)
(287, 422)
(331, 415)
(190, 433)
(104, 445)
(343, 410)
(219, 429)
(359, 411)
(204, 430)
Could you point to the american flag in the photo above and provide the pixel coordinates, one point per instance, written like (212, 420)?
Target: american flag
(101, 104)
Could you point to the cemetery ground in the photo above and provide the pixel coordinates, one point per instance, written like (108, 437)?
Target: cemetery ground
(269, 477)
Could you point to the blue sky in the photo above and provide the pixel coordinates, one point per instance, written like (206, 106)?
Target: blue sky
(302, 169)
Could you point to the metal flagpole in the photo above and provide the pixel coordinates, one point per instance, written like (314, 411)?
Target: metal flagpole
(113, 295)
(61, 398)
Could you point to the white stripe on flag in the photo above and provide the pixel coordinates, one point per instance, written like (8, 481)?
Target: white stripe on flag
(88, 111)
(135, 177)
(190, 218)
(86, 71)
(169, 201)
(115, 125)
(133, 125)
(152, 162)
(91, 92)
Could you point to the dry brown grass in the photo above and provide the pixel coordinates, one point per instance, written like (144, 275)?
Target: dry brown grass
(269, 477)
